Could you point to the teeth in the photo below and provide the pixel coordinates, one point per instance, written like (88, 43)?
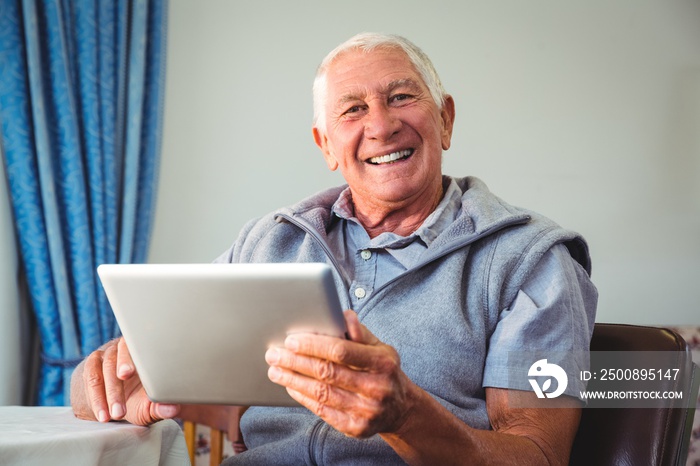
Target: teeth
(391, 157)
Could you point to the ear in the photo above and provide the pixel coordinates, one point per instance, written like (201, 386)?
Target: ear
(448, 119)
(322, 142)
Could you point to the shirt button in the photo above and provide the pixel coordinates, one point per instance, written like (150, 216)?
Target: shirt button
(366, 254)
(360, 293)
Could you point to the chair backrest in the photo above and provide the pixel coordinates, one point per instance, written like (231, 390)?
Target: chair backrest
(222, 421)
(638, 436)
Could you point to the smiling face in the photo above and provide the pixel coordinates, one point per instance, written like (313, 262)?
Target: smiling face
(384, 131)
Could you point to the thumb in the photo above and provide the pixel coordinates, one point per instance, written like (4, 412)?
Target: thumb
(142, 411)
(166, 411)
(148, 412)
(358, 332)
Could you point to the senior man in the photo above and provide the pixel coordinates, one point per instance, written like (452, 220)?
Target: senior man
(444, 280)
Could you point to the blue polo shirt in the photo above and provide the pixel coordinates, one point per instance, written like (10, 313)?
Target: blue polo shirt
(371, 262)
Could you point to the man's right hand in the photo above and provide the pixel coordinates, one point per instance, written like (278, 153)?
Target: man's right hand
(106, 386)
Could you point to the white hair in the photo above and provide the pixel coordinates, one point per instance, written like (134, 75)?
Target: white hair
(367, 42)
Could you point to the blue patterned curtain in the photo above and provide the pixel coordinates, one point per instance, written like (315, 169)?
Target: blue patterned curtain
(81, 98)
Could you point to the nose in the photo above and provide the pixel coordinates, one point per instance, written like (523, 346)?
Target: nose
(381, 123)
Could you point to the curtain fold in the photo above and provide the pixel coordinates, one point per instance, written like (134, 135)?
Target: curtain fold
(81, 97)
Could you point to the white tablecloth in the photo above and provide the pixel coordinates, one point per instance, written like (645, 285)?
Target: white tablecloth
(53, 436)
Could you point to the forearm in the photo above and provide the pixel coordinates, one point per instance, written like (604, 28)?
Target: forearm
(433, 435)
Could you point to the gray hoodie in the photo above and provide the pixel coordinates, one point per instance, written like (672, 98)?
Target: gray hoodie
(440, 314)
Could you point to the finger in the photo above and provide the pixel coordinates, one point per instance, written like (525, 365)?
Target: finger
(322, 394)
(322, 370)
(356, 331)
(329, 414)
(157, 412)
(142, 411)
(332, 348)
(329, 383)
(166, 411)
(355, 414)
(99, 378)
(361, 356)
(93, 381)
(125, 365)
(340, 419)
(343, 410)
(114, 386)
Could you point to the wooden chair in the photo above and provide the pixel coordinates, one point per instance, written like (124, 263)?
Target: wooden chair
(222, 420)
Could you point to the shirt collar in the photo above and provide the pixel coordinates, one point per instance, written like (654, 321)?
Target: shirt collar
(443, 215)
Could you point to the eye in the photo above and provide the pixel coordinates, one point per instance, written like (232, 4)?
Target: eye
(400, 98)
(354, 111)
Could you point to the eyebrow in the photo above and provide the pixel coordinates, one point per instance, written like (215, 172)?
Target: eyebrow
(397, 83)
(407, 82)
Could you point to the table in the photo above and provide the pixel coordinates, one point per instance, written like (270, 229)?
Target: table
(53, 436)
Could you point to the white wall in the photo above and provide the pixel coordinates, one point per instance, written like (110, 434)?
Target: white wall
(588, 112)
(11, 376)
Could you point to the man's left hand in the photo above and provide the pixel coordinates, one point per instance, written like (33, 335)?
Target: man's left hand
(355, 385)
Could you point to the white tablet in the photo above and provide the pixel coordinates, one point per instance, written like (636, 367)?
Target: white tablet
(198, 333)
